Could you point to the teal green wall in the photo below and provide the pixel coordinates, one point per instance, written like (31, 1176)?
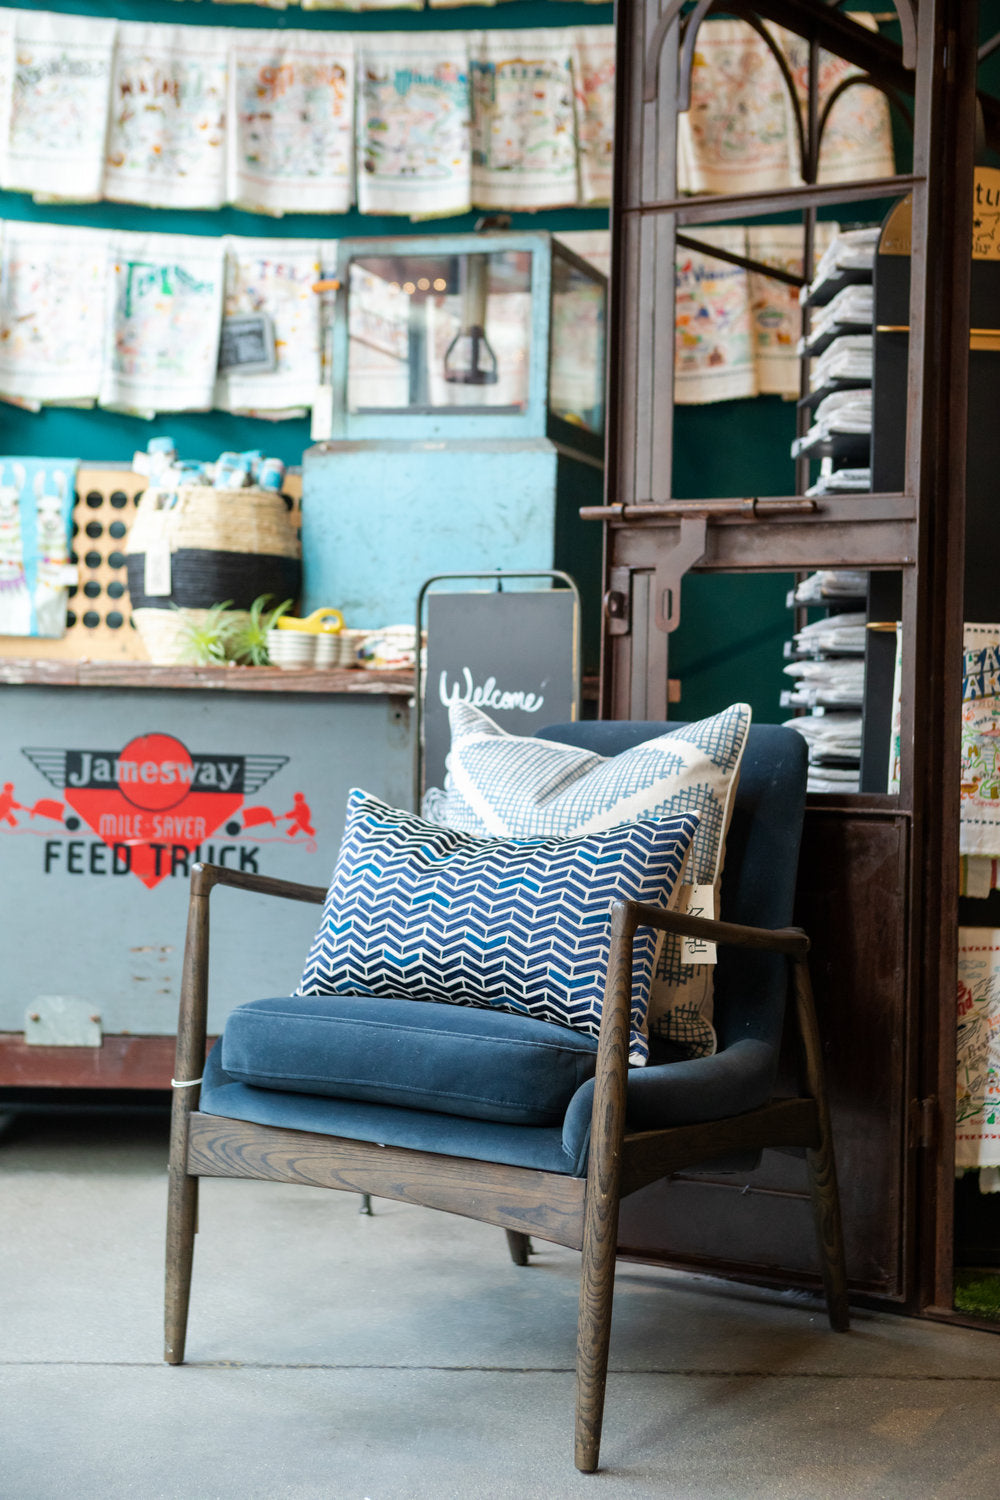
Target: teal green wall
(100, 435)
(729, 643)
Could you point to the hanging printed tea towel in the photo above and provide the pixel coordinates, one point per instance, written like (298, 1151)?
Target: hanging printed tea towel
(980, 805)
(594, 96)
(57, 86)
(714, 358)
(977, 1092)
(291, 121)
(774, 305)
(167, 127)
(413, 116)
(524, 121)
(735, 136)
(52, 299)
(364, 4)
(857, 135)
(276, 278)
(163, 320)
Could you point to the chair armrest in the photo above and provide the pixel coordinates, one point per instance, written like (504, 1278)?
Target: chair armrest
(205, 876)
(790, 940)
(192, 1022)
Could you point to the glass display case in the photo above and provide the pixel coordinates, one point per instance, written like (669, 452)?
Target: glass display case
(463, 427)
(504, 330)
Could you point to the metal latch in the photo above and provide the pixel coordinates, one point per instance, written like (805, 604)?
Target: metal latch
(618, 601)
(62, 1021)
(924, 1122)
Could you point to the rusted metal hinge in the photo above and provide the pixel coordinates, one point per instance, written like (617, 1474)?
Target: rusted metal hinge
(923, 1123)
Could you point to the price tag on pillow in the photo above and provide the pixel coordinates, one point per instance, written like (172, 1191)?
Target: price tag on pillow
(697, 901)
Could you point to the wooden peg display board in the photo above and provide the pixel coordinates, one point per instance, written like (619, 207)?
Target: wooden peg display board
(99, 618)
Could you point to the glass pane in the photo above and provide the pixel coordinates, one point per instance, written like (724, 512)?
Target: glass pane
(439, 332)
(576, 365)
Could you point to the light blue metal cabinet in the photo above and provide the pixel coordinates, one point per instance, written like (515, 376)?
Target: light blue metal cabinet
(467, 421)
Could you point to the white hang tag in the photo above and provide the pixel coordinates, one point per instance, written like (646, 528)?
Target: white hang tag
(156, 577)
(697, 901)
(321, 427)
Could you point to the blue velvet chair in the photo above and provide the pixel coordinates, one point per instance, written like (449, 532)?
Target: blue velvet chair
(403, 1103)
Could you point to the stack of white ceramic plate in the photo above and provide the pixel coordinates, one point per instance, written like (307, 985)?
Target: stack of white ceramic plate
(292, 650)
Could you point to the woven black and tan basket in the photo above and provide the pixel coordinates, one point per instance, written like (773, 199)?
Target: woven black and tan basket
(224, 545)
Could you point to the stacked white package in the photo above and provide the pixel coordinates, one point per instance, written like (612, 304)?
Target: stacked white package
(847, 358)
(842, 412)
(854, 307)
(827, 670)
(831, 584)
(852, 250)
(840, 634)
(846, 481)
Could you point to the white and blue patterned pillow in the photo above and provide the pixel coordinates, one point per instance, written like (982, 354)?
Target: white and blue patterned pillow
(426, 913)
(514, 787)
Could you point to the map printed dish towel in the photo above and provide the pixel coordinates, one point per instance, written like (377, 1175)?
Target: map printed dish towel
(167, 129)
(56, 89)
(291, 122)
(524, 119)
(977, 1091)
(275, 277)
(980, 804)
(52, 306)
(594, 98)
(413, 119)
(714, 350)
(740, 133)
(163, 320)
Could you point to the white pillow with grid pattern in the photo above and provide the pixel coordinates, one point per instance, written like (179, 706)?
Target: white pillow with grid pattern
(508, 786)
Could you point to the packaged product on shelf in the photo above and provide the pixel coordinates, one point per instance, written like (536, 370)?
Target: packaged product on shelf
(831, 584)
(839, 633)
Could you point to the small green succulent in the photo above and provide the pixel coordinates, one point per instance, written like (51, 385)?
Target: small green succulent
(248, 644)
(206, 641)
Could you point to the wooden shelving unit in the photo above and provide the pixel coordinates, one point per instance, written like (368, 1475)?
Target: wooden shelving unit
(878, 887)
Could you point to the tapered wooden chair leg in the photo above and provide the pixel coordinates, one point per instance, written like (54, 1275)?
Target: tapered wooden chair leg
(593, 1340)
(182, 1221)
(829, 1232)
(519, 1246)
(820, 1161)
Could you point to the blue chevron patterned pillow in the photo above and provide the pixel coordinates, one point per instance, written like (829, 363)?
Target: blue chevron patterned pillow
(514, 787)
(426, 913)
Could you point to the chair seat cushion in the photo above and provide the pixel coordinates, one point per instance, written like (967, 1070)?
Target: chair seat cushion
(481, 1064)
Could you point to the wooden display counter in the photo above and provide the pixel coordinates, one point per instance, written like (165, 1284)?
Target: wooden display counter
(115, 777)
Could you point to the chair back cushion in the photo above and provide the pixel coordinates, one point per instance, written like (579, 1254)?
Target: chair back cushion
(419, 912)
(480, 1064)
(762, 853)
(516, 787)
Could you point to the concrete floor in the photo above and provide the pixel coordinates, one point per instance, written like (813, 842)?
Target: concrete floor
(403, 1355)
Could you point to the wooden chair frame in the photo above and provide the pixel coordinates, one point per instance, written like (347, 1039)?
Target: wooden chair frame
(581, 1213)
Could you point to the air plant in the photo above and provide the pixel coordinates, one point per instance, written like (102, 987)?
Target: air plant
(248, 644)
(205, 635)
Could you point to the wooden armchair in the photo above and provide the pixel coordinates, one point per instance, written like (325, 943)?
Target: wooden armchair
(623, 1128)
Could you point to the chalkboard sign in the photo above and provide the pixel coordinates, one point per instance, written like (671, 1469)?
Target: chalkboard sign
(513, 654)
